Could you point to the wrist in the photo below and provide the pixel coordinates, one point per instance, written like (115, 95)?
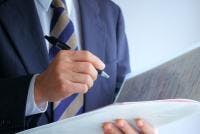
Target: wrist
(38, 95)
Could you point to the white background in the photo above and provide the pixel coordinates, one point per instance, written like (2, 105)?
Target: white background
(159, 30)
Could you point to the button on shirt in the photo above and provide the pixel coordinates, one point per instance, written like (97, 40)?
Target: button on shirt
(45, 14)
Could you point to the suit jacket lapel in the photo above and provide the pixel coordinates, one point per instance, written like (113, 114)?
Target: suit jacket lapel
(93, 28)
(22, 24)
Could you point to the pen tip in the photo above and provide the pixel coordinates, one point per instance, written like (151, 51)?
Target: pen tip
(105, 75)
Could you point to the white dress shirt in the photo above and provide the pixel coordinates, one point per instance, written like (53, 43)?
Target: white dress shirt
(45, 15)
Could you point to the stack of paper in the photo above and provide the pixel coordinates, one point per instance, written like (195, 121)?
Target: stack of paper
(165, 115)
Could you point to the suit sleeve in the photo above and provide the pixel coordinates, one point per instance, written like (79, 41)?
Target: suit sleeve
(14, 87)
(13, 96)
(123, 65)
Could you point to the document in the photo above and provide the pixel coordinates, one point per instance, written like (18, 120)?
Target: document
(172, 116)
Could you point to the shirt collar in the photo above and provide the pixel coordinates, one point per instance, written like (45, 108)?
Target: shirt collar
(44, 4)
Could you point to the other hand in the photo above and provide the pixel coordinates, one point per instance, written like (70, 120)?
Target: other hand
(70, 72)
(121, 126)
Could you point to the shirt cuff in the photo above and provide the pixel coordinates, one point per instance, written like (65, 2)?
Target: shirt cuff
(31, 106)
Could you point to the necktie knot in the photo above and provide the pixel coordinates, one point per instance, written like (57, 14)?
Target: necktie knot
(58, 4)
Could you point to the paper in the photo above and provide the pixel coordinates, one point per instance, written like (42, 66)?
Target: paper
(159, 113)
(189, 125)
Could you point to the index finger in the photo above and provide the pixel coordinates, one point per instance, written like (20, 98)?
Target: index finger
(145, 127)
(125, 127)
(86, 56)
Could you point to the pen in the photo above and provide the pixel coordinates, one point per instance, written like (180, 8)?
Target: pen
(61, 45)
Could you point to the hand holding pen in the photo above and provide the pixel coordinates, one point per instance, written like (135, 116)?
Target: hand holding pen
(55, 42)
(69, 72)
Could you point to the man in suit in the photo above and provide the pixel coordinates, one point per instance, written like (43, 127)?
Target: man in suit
(29, 80)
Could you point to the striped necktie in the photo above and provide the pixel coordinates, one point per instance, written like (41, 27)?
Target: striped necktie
(62, 28)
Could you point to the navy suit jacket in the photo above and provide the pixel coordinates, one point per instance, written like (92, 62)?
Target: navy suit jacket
(23, 53)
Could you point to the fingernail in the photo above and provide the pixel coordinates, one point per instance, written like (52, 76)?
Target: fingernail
(103, 64)
(107, 127)
(120, 123)
(140, 123)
